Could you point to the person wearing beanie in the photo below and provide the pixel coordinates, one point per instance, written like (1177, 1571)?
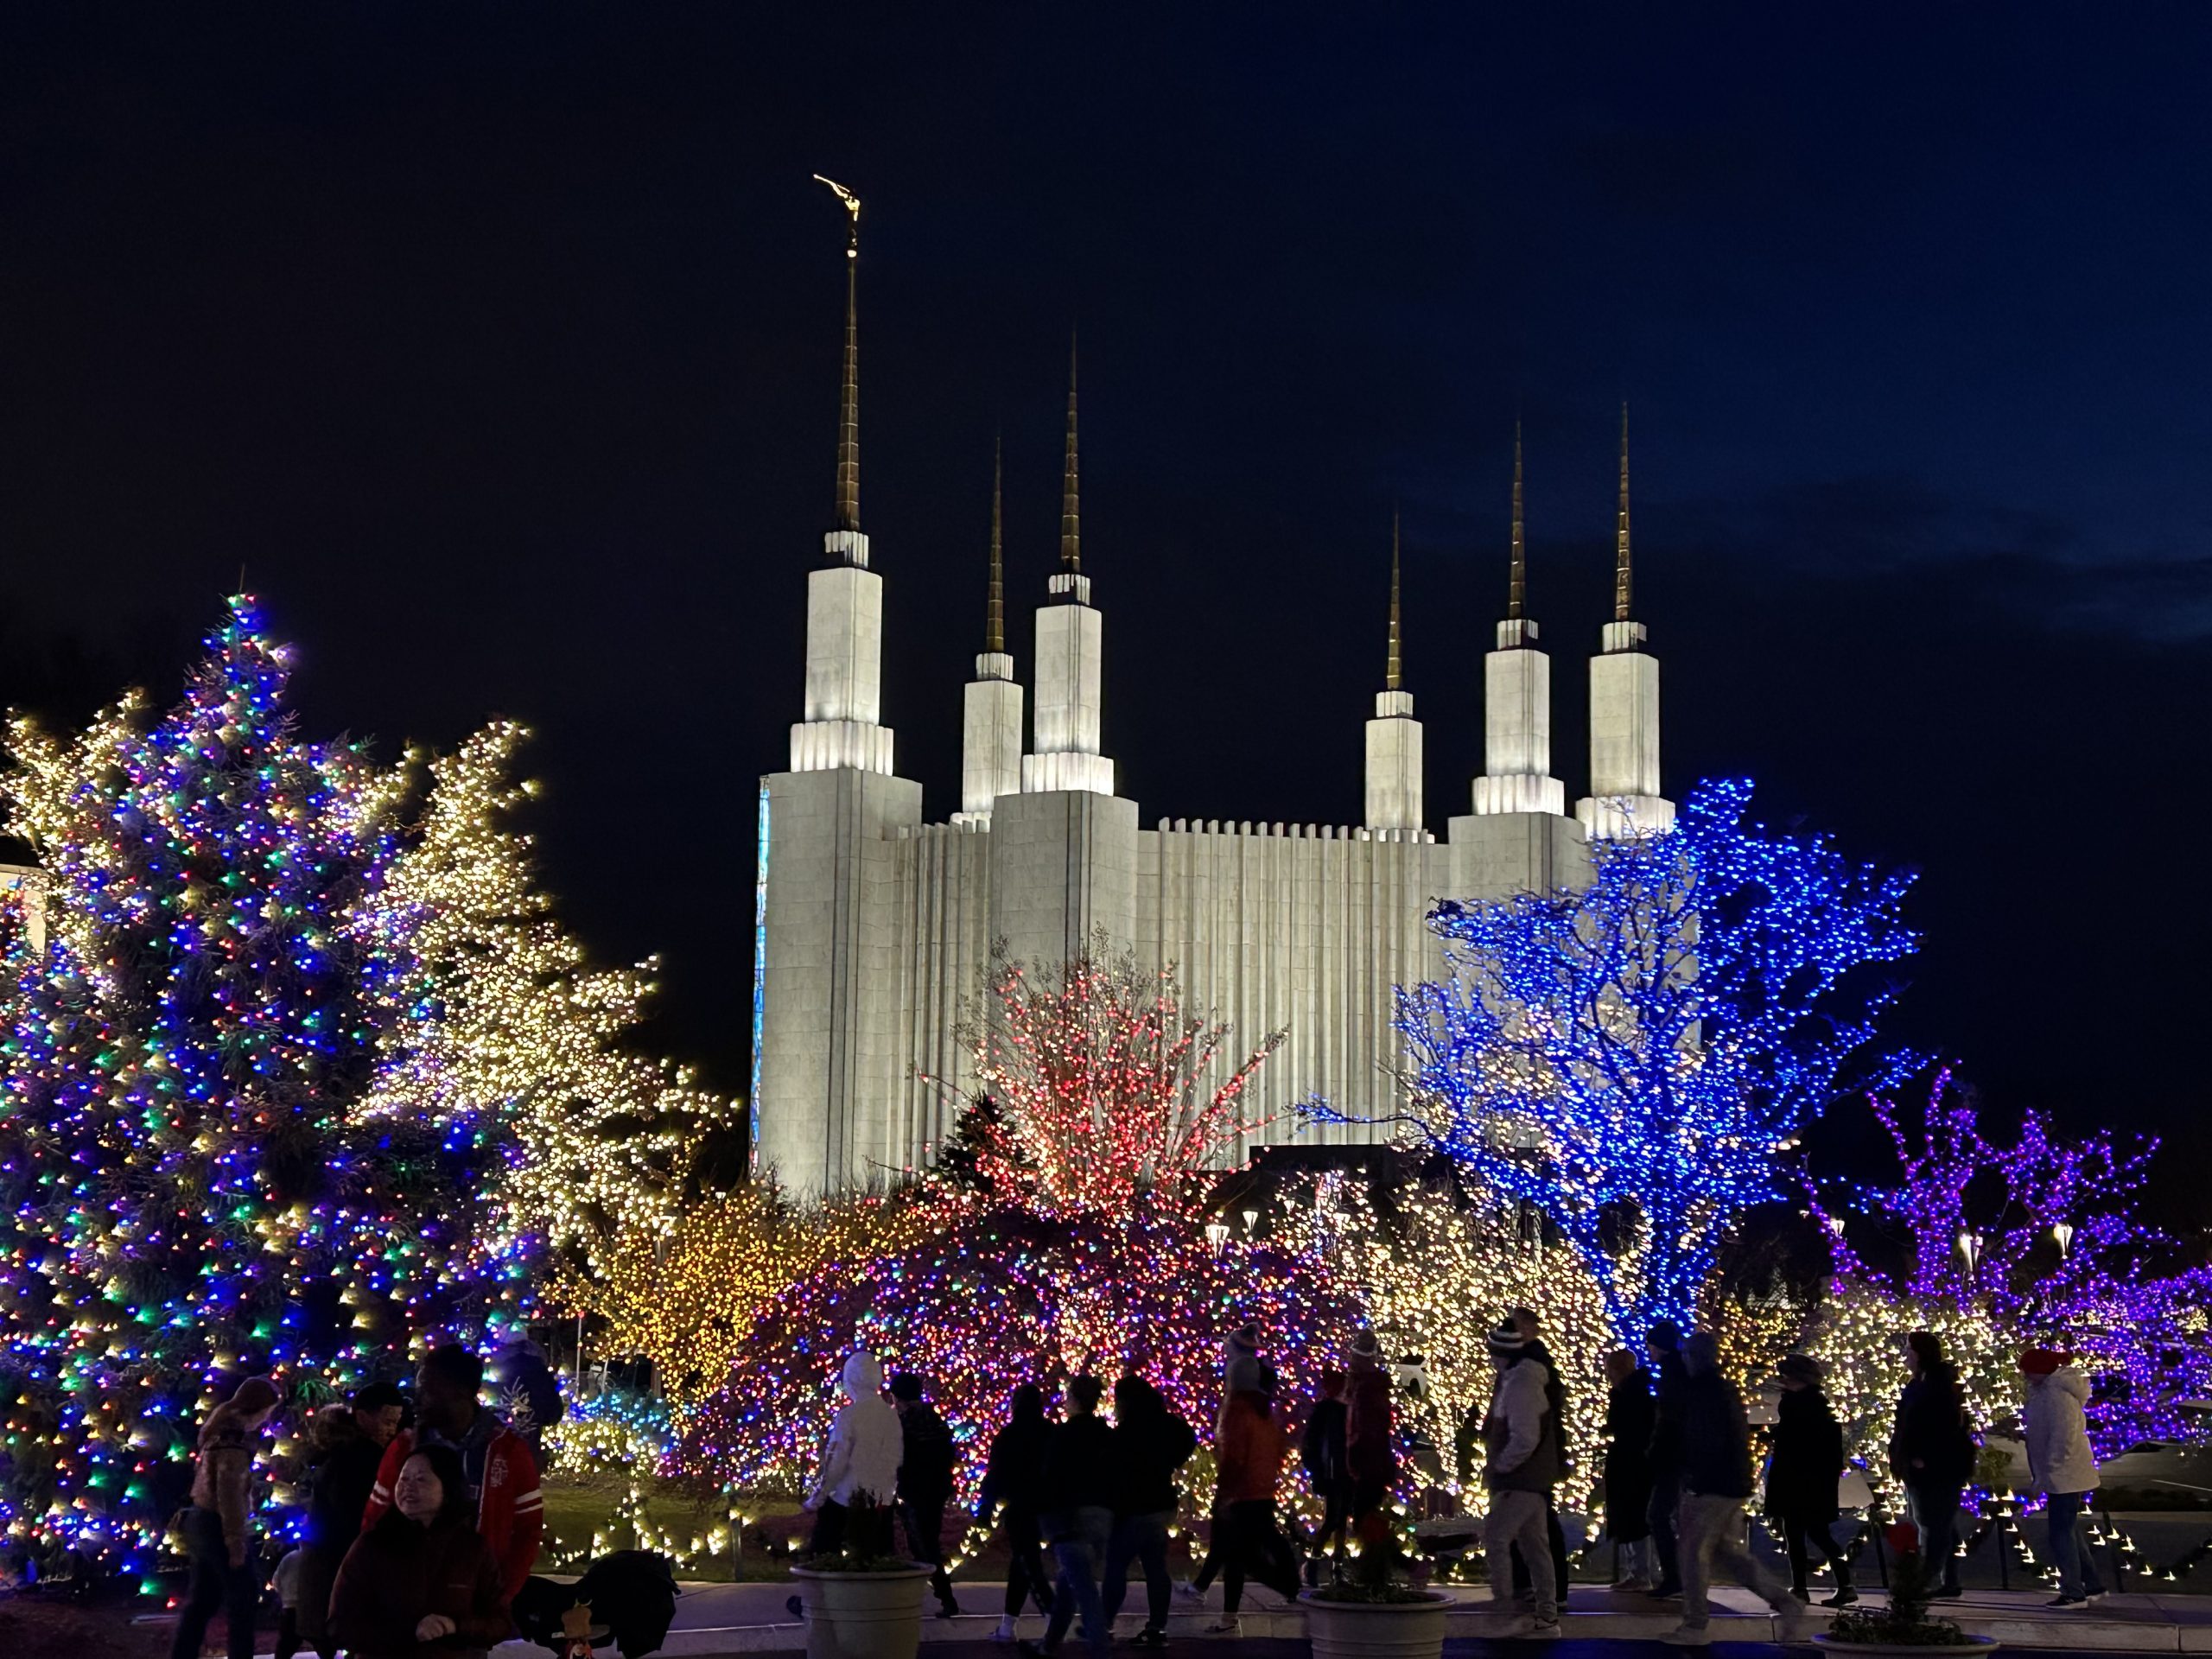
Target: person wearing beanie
(2062, 1465)
(1240, 1361)
(1716, 1475)
(1800, 1478)
(927, 1464)
(1529, 1324)
(1663, 1345)
(1521, 1466)
(1628, 1469)
(1322, 1449)
(1370, 1450)
(219, 1527)
(1014, 1475)
(1932, 1452)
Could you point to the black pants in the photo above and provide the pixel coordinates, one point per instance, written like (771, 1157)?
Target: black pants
(863, 1530)
(216, 1582)
(1027, 1577)
(924, 1525)
(1559, 1555)
(1935, 1512)
(1251, 1545)
(1336, 1517)
(1139, 1540)
(1797, 1531)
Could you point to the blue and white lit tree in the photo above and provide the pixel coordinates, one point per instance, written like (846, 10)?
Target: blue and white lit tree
(1633, 1059)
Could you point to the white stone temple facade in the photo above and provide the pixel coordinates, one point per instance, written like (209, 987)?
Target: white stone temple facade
(875, 928)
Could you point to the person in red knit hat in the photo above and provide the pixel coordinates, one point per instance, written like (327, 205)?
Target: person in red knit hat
(2062, 1464)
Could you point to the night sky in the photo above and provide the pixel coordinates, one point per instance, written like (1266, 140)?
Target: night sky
(500, 346)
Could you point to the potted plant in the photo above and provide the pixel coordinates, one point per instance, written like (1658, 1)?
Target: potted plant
(862, 1606)
(1903, 1626)
(1372, 1613)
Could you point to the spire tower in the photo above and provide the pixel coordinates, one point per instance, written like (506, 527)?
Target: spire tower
(1516, 584)
(1064, 730)
(990, 735)
(1070, 486)
(1394, 737)
(1624, 799)
(1518, 693)
(995, 603)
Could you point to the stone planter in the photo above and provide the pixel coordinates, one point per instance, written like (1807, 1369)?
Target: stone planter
(1974, 1645)
(1377, 1630)
(863, 1615)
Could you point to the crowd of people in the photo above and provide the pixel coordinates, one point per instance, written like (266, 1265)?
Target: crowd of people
(414, 1534)
(1083, 1503)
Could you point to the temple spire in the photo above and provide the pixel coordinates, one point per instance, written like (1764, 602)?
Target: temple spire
(995, 609)
(1393, 677)
(1070, 515)
(849, 403)
(1517, 583)
(1622, 591)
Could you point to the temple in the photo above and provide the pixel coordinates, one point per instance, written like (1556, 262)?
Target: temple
(875, 928)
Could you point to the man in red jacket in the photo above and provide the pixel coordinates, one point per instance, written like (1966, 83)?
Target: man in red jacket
(502, 1475)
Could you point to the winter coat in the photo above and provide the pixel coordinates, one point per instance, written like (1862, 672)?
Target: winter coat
(1715, 1438)
(859, 1466)
(1370, 1455)
(2058, 1432)
(1519, 1436)
(223, 1471)
(1554, 1395)
(503, 1481)
(1149, 1446)
(1249, 1456)
(927, 1456)
(1933, 1445)
(1808, 1457)
(344, 1477)
(1629, 1412)
(1321, 1448)
(1014, 1472)
(396, 1573)
(1081, 1473)
(1667, 1421)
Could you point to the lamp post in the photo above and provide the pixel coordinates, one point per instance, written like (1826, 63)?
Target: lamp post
(1217, 1235)
(1970, 1247)
(2063, 1232)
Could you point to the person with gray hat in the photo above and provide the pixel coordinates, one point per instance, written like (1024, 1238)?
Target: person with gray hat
(1800, 1477)
(1716, 1472)
(1521, 1466)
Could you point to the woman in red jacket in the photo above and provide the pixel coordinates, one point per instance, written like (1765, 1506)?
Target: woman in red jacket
(1248, 1469)
(421, 1580)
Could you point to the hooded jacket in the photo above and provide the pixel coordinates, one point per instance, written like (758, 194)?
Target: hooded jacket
(1150, 1443)
(1014, 1478)
(1370, 1457)
(861, 1463)
(1250, 1451)
(1932, 1430)
(1808, 1457)
(929, 1458)
(1519, 1437)
(2058, 1432)
(225, 1470)
(1715, 1436)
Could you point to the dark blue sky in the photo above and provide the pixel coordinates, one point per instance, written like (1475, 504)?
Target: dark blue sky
(500, 345)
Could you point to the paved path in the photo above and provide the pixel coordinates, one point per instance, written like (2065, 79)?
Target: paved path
(736, 1618)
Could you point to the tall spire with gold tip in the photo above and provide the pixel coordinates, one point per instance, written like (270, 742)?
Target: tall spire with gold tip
(1069, 646)
(1624, 799)
(1622, 587)
(990, 744)
(844, 599)
(1517, 693)
(1394, 739)
(1070, 486)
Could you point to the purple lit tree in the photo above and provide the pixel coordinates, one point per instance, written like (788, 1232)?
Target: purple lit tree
(2040, 1234)
(1633, 1058)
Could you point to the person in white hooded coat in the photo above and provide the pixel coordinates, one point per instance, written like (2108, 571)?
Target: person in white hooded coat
(2062, 1465)
(852, 1492)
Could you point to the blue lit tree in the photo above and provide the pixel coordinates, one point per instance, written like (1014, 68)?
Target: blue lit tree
(1632, 1059)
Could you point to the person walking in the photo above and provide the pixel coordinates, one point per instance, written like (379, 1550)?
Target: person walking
(1370, 1446)
(1663, 1345)
(1800, 1478)
(1076, 1510)
(347, 1443)
(1249, 1456)
(1628, 1468)
(1521, 1466)
(1323, 1450)
(1932, 1451)
(498, 1470)
(928, 1461)
(1527, 1321)
(1014, 1473)
(1151, 1444)
(1715, 1462)
(421, 1579)
(2062, 1465)
(219, 1527)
